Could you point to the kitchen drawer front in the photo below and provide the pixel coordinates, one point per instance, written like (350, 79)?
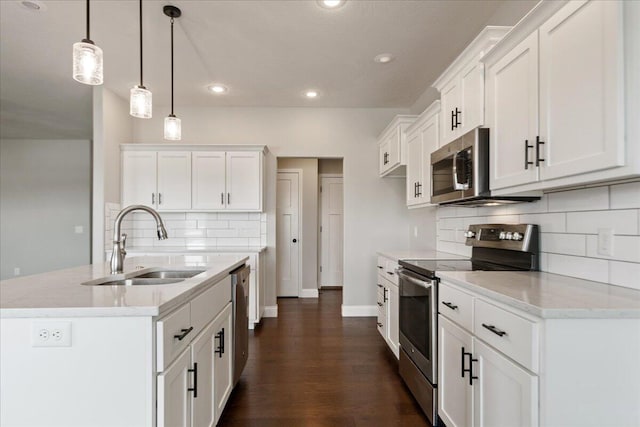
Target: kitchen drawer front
(509, 333)
(390, 272)
(176, 324)
(456, 305)
(208, 304)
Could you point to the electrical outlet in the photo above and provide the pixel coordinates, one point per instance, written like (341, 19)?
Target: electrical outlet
(605, 241)
(16, 271)
(78, 229)
(51, 334)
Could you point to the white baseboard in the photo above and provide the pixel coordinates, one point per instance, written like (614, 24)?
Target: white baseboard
(359, 310)
(308, 293)
(270, 311)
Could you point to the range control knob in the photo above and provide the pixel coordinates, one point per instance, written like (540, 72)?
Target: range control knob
(469, 234)
(509, 235)
(517, 236)
(502, 235)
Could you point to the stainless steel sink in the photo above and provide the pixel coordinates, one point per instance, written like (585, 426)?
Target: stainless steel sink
(137, 281)
(170, 274)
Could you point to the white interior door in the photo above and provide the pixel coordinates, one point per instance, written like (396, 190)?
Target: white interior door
(331, 231)
(287, 234)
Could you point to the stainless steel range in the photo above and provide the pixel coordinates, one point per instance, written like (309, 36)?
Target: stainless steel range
(495, 247)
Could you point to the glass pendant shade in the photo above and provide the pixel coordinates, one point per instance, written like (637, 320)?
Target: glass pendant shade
(172, 128)
(140, 102)
(87, 63)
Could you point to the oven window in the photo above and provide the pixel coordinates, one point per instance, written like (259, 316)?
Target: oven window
(442, 177)
(415, 316)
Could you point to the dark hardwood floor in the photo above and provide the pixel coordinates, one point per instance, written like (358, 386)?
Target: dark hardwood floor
(311, 367)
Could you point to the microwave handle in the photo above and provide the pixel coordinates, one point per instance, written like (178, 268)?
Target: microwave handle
(457, 185)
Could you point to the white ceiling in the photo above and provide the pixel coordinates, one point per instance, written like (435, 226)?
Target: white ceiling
(266, 52)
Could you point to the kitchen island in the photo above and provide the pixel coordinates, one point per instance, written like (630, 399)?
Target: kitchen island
(86, 354)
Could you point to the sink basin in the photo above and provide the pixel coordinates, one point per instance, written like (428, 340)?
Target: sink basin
(137, 281)
(170, 274)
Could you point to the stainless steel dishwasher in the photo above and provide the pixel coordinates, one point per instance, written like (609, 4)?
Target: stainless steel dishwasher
(240, 299)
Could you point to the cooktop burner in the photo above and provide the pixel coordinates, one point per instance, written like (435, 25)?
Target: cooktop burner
(430, 268)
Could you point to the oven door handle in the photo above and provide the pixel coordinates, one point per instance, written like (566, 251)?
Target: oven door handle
(415, 281)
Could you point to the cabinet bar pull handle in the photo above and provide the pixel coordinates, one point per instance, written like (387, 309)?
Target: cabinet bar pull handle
(458, 112)
(184, 333)
(380, 267)
(228, 198)
(470, 370)
(419, 189)
(380, 304)
(384, 292)
(379, 324)
(538, 144)
(159, 198)
(494, 330)
(452, 116)
(220, 349)
(526, 154)
(450, 305)
(222, 198)
(462, 356)
(379, 285)
(195, 380)
(153, 198)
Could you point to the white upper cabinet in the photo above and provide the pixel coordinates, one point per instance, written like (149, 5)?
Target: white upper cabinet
(206, 178)
(157, 179)
(392, 147)
(461, 87)
(556, 96)
(423, 138)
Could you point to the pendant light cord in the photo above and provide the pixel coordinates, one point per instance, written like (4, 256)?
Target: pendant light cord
(88, 37)
(141, 82)
(172, 66)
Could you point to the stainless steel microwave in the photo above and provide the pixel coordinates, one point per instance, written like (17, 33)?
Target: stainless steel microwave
(460, 169)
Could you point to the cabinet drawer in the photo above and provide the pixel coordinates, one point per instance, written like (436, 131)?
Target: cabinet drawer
(175, 324)
(205, 306)
(509, 333)
(456, 305)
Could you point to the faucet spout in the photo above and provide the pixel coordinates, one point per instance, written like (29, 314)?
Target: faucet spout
(118, 254)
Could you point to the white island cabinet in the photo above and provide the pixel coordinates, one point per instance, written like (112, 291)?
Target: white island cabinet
(109, 355)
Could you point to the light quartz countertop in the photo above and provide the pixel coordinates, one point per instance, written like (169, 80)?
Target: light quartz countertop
(63, 294)
(421, 255)
(549, 295)
(194, 250)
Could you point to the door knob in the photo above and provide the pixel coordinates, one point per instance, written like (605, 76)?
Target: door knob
(295, 240)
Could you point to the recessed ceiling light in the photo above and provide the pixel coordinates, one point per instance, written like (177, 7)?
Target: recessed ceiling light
(33, 5)
(331, 4)
(384, 58)
(311, 94)
(217, 88)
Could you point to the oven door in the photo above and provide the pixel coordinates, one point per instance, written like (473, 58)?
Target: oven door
(418, 321)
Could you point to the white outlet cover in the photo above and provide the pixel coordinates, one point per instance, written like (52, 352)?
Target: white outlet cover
(50, 334)
(605, 241)
(79, 229)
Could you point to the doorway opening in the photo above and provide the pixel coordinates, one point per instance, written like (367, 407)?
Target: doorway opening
(309, 226)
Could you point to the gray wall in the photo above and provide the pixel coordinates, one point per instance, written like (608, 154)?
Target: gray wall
(45, 192)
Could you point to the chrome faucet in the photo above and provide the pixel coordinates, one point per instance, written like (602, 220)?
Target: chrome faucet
(119, 241)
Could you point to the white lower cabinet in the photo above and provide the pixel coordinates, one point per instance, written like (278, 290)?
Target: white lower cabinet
(478, 385)
(194, 389)
(388, 301)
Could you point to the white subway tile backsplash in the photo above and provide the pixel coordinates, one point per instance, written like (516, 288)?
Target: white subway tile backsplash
(190, 232)
(624, 274)
(245, 225)
(569, 223)
(566, 244)
(625, 196)
(220, 232)
(587, 199)
(547, 222)
(622, 222)
(233, 242)
(202, 215)
(173, 224)
(213, 224)
(233, 215)
(255, 241)
(584, 268)
(254, 216)
(625, 248)
(193, 242)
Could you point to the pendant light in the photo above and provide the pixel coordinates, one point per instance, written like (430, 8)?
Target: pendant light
(172, 125)
(140, 99)
(87, 60)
